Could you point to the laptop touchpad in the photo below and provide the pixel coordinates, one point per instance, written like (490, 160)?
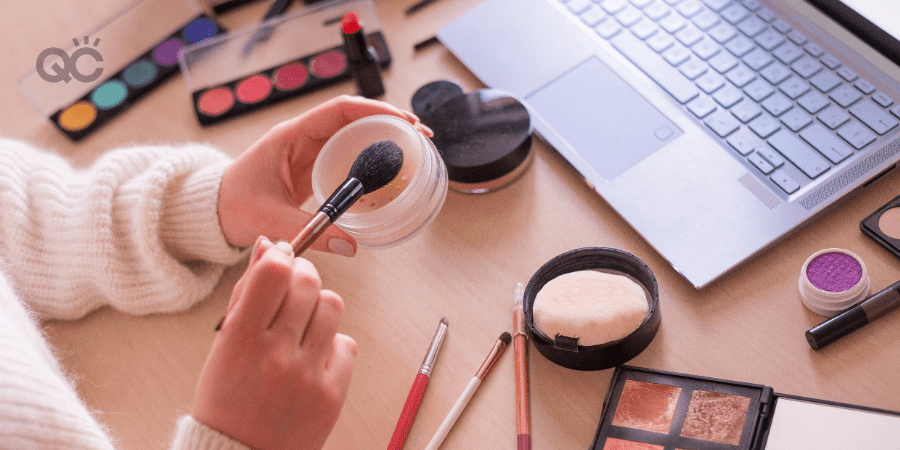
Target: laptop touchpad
(614, 128)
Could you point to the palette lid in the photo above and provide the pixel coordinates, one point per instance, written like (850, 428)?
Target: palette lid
(107, 49)
(279, 40)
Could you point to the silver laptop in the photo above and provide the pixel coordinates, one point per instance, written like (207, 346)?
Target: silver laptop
(714, 127)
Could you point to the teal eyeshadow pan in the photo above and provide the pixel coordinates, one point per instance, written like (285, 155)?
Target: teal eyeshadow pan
(146, 72)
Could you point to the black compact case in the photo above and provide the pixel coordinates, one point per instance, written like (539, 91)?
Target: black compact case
(870, 226)
(647, 409)
(566, 351)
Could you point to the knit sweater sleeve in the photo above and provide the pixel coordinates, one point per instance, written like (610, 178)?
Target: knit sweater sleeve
(138, 230)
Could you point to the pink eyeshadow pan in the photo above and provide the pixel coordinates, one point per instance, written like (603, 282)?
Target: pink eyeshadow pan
(253, 89)
(716, 417)
(215, 101)
(291, 77)
(646, 406)
(328, 64)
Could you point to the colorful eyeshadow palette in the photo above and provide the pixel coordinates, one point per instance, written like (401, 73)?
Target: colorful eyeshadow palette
(78, 108)
(281, 58)
(653, 410)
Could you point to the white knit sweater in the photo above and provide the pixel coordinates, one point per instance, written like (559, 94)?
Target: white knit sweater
(137, 231)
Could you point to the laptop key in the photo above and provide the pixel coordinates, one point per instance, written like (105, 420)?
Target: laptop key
(857, 135)
(710, 82)
(701, 106)
(873, 116)
(760, 163)
(864, 86)
(799, 154)
(722, 62)
(825, 81)
(813, 102)
(788, 184)
(746, 111)
(806, 66)
(882, 99)
(740, 75)
(722, 123)
(793, 87)
(739, 144)
(775, 73)
(833, 117)
(826, 143)
(728, 96)
(655, 67)
(845, 95)
(795, 119)
(764, 126)
(751, 26)
(771, 156)
(777, 104)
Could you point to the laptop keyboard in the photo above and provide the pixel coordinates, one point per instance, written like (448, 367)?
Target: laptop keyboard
(790, 109)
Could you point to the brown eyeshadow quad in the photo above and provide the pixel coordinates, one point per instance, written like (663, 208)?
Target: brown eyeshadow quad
(654, 410)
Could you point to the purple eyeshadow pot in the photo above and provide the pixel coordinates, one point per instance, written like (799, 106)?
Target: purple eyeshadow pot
(834, 272)
(833, 280)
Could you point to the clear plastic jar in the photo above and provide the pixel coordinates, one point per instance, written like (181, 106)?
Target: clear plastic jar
(398, 211)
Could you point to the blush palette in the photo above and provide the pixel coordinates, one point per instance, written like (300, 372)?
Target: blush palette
(281, 58)
(653, 410)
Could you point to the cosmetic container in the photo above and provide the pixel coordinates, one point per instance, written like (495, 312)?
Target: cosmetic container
(398, 211)
(832, 280)
(566, 350)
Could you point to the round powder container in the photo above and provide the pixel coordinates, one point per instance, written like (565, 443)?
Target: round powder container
(484, 137)
(833, 280)
(566, 351)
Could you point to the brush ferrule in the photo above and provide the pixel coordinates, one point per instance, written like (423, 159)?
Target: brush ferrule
(343, 198)
(310, 232)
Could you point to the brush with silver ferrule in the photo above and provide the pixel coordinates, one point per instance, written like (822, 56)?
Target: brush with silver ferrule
(373, 169)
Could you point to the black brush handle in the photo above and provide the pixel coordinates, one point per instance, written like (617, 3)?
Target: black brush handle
(343, 198)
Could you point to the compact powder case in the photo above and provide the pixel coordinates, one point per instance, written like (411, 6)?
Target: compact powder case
(648, 409)
(566, 351)
(883, 226)
(484, 137)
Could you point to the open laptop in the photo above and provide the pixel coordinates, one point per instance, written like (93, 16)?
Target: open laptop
(714, 127)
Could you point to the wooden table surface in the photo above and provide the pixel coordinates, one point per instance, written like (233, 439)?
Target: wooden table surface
(141, 372)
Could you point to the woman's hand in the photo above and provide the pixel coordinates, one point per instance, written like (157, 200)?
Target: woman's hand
(278, 371)
(262, 190)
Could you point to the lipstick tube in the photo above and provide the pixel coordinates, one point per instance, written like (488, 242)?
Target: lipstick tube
(361, 57)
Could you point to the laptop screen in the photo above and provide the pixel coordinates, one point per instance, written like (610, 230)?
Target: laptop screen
(877, 22)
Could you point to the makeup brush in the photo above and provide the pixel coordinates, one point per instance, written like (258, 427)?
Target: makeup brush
(467, 394)
(373, 169)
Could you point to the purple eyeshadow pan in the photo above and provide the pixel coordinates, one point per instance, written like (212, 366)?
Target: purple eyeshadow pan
(834, 272)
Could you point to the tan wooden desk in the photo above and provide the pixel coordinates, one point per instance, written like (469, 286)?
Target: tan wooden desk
(141, 372)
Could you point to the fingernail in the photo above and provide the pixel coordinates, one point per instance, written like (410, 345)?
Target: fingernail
(426, 128)
(257, 249)
(285, 247)
(341, 247)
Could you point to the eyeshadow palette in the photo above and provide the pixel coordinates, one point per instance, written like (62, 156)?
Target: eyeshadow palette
(257, 66)
(654, 410)
(883, 226)
(138, 47)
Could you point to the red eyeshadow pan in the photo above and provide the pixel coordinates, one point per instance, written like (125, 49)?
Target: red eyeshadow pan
(328, 64)
(646, 406)
(291, 77)
(215, 101)
(253, 89)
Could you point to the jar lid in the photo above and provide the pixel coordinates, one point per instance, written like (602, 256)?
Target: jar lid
(481, 136)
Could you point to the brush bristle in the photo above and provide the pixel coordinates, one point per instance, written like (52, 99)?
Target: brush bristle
(377, 165)
(506, 338)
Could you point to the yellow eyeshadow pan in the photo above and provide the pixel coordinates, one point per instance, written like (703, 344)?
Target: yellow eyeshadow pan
(78, 116)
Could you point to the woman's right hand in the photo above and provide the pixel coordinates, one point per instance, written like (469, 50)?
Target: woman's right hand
(278, 372)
